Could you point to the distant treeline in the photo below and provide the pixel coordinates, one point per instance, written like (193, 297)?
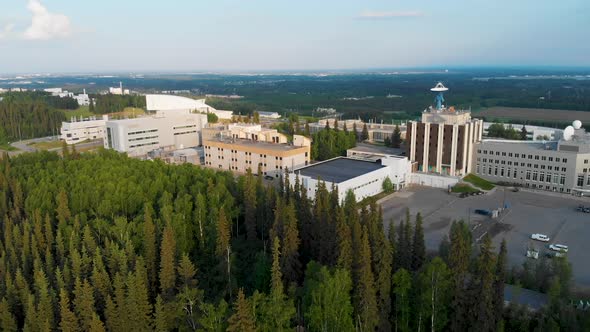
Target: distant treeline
(110, 103)
(29, 114)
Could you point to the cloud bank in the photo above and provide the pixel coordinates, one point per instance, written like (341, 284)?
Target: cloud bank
(46, 25)
(385, 15)
(6, 31)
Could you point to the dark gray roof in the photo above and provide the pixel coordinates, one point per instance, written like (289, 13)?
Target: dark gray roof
(529, 298)
(339, 169)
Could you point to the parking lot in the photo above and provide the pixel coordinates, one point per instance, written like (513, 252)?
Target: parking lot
(551, 214)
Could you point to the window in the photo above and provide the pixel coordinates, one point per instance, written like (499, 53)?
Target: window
(515, 172)
(502, 171)
(503, 154)
(562, 180)
(477, 169)
(548, 178)
(510, 154)
(588, 181)
(543, 158)
(528, 175)
(580, 180)
(585, 161)
(565, 160)
(550, 158)
(496, 171)
(563, 169)
(542, 177)
(516, 155)
(557, 160)
(497, 153)
(535, 175)
(555, 178)
(550, 168)
(542, 166)
(490, 170)
(530, 156)
(536, 157)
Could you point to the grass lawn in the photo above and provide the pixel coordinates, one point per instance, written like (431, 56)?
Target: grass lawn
(128, 112)
(479, 182)
(47, 145)
(80, 112)
(7, 147)
(463, 188)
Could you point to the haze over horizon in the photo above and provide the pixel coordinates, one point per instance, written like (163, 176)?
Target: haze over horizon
(221, 36)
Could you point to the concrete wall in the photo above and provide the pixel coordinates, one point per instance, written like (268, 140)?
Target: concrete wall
(432, 180)
(140, 135)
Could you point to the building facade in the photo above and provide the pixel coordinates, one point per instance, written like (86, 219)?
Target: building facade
(139, 136)
(80, 130)
(364, 177)
(560, 166)
(443, 142)
(239, 155)
(377, 131)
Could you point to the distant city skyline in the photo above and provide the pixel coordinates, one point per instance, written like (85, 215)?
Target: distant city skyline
(46, 36)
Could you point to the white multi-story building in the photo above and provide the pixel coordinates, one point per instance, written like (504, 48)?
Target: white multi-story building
(166, 104)
(119, 90)
(78, 130)
(562, 166)
(139, 136)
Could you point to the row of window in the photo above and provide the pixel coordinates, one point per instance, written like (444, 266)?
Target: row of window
(186, 132)
(529, 176)
(144, 144)
(142, 138)
(524, 156)
(183, 127)
(142, 132)
(529, 165)
(364, 185)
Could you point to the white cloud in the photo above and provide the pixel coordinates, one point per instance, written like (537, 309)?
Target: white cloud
(384, 15)
(6, 31)
(46, 25)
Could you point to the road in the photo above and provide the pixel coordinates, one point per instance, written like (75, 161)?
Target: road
(25, 145)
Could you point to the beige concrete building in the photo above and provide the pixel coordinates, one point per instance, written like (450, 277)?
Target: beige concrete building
(240, 154)
(247, 131)
(443, 142)
(377, 131)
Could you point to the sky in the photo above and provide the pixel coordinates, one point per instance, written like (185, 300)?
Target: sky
(66, 36)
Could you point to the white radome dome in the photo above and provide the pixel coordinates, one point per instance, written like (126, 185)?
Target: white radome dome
(568, 133)
(577, 124)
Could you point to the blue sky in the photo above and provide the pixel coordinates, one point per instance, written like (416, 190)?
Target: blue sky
(227, 35)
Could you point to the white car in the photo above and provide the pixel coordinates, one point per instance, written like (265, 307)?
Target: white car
(540, 237)
(558, 247)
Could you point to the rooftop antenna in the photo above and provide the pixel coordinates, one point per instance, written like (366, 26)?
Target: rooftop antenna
(439, 99)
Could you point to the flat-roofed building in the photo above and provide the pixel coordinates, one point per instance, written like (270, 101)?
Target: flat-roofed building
(561, 166)
(141, 135)
(249, 131)
(364, 177)
(82, 129)
(377, 131)
(239, 155)
(371, 150)
(443, 141)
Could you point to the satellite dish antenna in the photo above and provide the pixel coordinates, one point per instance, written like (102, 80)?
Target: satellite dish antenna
(577, 124)
(568, 133)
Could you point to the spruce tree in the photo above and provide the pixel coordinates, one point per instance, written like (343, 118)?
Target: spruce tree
(290, 264)
(84, 302)
(167, 263)
(485, 317)
(137, 303)
(418, 246)
(396, 138)
(250, 206)
(242, 319)
(402, 283)
(7, 320)
(96, 325)
(365, 302)
(344, 238)
(459, 263)
(223, 249)
(150, 248)
(365, 133)
(500, 276)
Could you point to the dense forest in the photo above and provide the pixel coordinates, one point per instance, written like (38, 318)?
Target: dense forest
(333, 142)
(30, 114)
(102, 242)
(109, 103)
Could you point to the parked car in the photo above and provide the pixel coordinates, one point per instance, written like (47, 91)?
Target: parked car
(580, 208)
(559, 247)
(540, 237)
(532, 253)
